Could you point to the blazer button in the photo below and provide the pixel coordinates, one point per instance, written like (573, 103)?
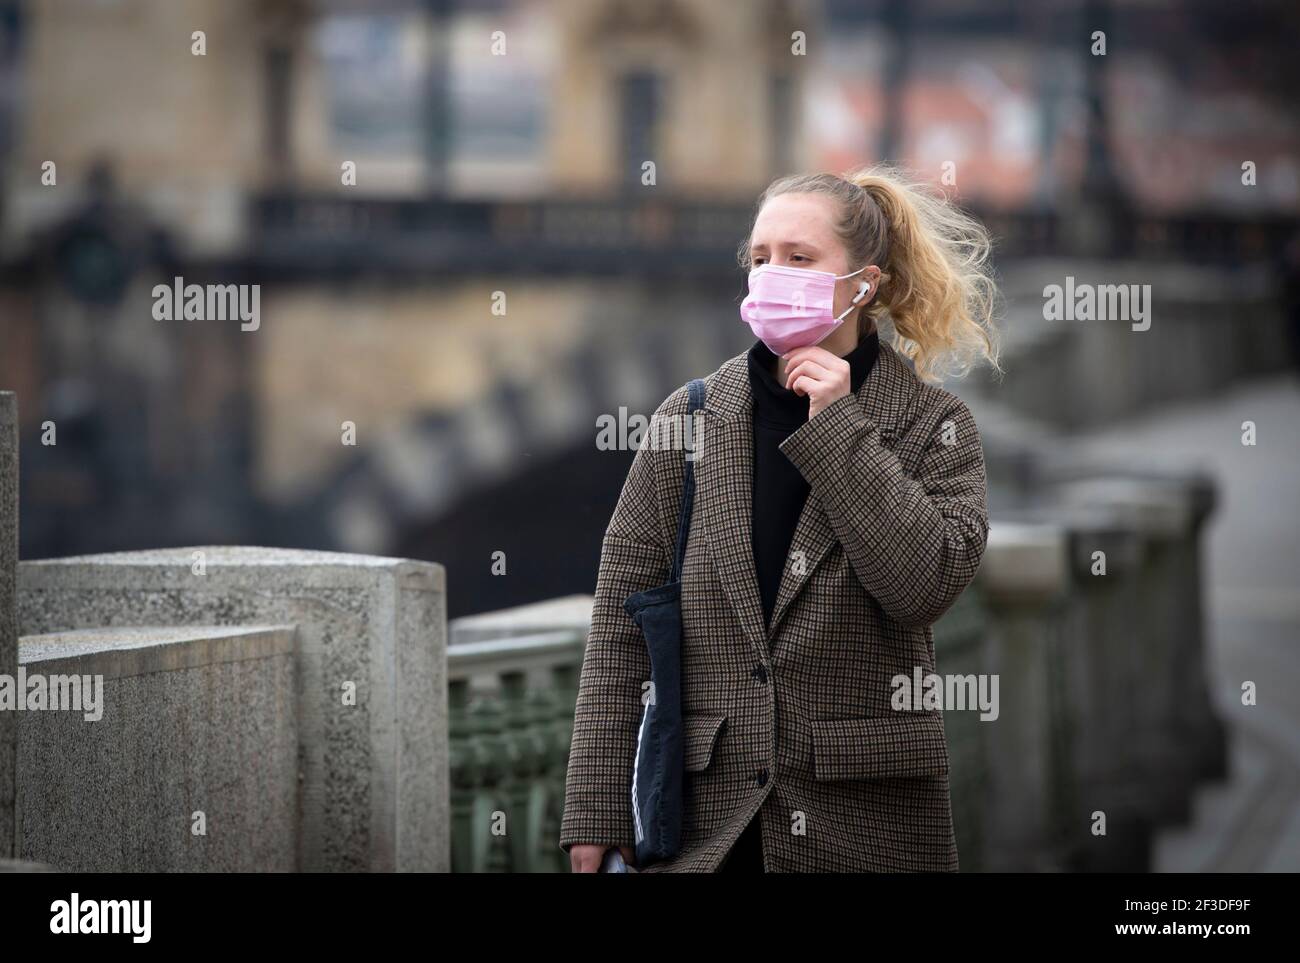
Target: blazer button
(762, 777)
(760, 674)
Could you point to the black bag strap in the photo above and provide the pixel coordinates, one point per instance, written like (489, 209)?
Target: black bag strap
(695, 403)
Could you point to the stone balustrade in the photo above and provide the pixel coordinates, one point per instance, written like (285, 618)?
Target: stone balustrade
(371, 693)
(1023, 578)
(1097, 633)
(1101, 694)
(8, 618)
(180, 756)
(306, 704)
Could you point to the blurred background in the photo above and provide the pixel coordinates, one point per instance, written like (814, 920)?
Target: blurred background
(499, 148)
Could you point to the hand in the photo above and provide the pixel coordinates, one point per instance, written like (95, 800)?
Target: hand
(584, 858)
(817, 373)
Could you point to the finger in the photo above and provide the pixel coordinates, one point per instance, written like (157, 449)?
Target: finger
(804, 385)
(807, 367)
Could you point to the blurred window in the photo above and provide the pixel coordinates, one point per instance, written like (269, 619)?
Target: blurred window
(279, 73)
(639, 99)
(376, 68)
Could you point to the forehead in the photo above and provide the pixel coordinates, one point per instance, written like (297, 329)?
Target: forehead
(789, 218)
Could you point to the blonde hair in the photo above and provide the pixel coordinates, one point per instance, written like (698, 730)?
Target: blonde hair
(936, 284)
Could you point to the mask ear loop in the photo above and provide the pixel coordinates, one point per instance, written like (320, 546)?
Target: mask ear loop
(863, 288)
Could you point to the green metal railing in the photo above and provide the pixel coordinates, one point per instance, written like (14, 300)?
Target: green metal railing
(511, 705)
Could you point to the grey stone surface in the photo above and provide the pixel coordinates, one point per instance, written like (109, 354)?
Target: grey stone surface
(1177, 735)
(1024, 562)
(1102, 689)
(374, 794)
(192, 720)
(23, 866)
(570, 613)
(8, 623)
(1024, 578)
(541, 651)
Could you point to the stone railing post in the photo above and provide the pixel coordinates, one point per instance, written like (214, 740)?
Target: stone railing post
(1024, 578)
(959, 650)
(8, 610)
(179, 754)
(1102, 689)
(1176, 733)
(1196, 713)
(371, 670)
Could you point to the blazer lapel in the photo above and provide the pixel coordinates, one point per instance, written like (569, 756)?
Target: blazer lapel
(813, 538)
(886, 394)
(724, 495)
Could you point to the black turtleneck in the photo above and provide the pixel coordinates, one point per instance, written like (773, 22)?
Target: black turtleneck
(779, 488)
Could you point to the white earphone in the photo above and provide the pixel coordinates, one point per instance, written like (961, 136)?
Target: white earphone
(863, 288)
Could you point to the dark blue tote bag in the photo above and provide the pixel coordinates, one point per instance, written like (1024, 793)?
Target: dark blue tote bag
(659, 770)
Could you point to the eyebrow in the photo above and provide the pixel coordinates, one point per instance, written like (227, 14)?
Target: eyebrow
(799, 245)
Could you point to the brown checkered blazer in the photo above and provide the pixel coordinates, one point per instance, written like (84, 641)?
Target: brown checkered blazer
(796, 719)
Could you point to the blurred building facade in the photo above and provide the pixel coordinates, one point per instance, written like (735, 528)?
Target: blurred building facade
(501, 269)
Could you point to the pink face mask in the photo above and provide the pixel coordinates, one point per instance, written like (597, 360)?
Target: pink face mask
(790, 307)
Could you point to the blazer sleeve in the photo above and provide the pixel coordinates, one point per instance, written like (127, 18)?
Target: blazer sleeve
(914, 541)
(633, 557)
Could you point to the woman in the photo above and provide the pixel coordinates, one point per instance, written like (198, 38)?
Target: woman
(839, 512)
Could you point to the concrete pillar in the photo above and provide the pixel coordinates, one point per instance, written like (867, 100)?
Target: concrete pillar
(372, 686)
(8, 609)
(960, 649)
(1176, 732)
(1024, 577)
(178, 752)
(1196, 714)
(1104, 690)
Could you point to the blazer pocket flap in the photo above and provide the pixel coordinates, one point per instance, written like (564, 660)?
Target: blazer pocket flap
(880, 747)
(700, 735)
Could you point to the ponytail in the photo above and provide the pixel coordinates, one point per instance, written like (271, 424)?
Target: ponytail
(936, 288)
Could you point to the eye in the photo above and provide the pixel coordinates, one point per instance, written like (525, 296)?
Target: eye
(755, 262)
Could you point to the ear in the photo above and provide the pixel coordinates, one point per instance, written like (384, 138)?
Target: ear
(872, 277)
